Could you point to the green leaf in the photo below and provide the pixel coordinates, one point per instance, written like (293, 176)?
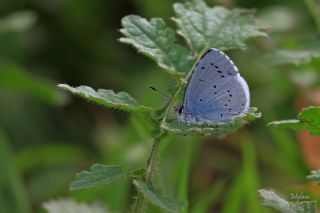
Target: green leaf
(219, 129)
(108, 98)
(314, 176)
(204, 27)
(71, 206)
(271, 199)
(295, 57)
(99, 175)
(308, 119)
(157, 41)
(155, 197)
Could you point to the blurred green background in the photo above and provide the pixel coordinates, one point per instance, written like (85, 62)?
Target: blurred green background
(47, 136)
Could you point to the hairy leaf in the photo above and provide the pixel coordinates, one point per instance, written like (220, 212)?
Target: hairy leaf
(219, 129)
(308, 119)
(204, 27)
(108, 98)
(295, 57)
(155, 197)
(98, 176)
(71, 206)
(271, 199)
(314, 176)
(158, 41)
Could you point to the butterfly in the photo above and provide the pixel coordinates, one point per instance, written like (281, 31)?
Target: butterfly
(215, 92)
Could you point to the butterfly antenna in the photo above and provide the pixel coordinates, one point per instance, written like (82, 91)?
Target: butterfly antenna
(162, 93)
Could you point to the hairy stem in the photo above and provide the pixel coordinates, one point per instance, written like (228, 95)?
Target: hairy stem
(152, 163)
(154, 155)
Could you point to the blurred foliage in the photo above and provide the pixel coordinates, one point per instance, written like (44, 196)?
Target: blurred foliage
(47, 137)
(70, 206)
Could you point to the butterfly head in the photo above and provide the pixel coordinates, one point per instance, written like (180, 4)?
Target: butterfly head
(179, 109)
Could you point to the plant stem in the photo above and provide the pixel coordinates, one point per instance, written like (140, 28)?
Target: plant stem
(151, 167)
(154, 155)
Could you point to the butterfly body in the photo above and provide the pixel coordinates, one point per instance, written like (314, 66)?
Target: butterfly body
(216, 92)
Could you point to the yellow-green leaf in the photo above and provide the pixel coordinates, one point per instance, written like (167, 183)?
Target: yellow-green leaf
(108, 98)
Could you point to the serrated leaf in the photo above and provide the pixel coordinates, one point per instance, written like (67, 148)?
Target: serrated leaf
(157, 41)
(155, 197)
(108, 98)
(71, 206)
(219, 129)
(204, 27)
(271, 199)
(295, 57)
(98, 175)
(308, 119)
(314, 176)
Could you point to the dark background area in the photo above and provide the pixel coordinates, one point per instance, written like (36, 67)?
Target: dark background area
(48, 136)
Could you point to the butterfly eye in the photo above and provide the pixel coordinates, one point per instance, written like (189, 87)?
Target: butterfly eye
(179, 109)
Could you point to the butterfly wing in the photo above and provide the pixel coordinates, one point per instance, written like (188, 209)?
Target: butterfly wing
(216, 91)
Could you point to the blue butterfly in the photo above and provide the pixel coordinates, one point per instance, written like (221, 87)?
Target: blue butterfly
(216, 92)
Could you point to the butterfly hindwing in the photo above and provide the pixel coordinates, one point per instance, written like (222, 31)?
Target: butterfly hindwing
(216, 91)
